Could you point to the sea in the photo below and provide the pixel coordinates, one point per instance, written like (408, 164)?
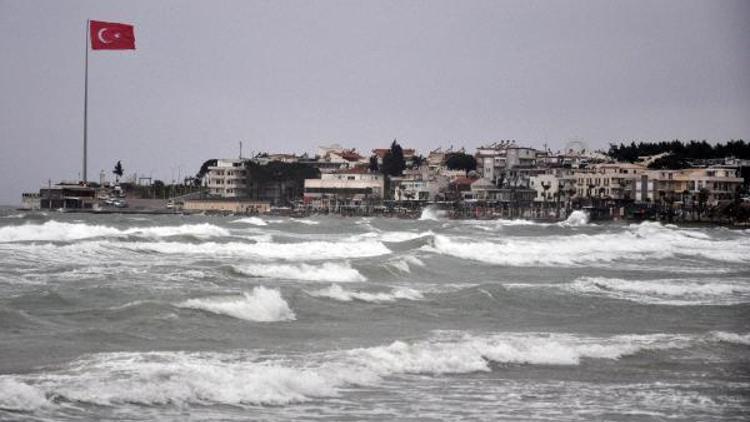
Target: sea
(124, 317)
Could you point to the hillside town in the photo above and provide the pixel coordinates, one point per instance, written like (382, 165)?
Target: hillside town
(498, 180)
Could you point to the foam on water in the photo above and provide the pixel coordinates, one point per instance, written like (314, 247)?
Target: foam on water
(431, 214)
(299, 251)
(178, 378)
(636, 242)
(392, 237)
(337, 292)
(255, 221)
(18, 396)
(263, 304)
(576, 218)
(743, 339)
(58, 231)
(665, 291)
(405, 263)
(327, 271)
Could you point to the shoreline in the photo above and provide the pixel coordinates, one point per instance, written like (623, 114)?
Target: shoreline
(409, 216)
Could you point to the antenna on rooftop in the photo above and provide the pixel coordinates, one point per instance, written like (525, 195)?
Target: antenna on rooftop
(240, 150)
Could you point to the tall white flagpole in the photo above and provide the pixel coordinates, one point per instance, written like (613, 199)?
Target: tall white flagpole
(86, 101)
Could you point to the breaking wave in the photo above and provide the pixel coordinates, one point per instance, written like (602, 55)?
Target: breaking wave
(576, 218)
(328, 271)
(337, 292)
(255, 221)
(57, 231)
(665, 291)
(405, 263)
(304, 251)
(743, 339)
(179, 378)
(637, 243)
(263, 304)
(431, 214)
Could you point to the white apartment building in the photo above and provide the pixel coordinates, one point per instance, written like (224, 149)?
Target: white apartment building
(507, 162)
(344, 185)
(227, 179)
(718, 183)
(613, 181)
(422, 186)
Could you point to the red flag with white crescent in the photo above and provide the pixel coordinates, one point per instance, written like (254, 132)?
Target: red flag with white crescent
(112, 36)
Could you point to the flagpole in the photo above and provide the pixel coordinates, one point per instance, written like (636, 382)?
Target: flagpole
(86, 102)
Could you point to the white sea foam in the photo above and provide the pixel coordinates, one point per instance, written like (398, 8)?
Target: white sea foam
(405, 263)
(176, 378)
(204, 230)
(743, 339)
(262, 304)
(665, 291)
(327, 271)
(576, 218)
(305, 221)
(304, 251)
(58, 231)
(431, 214)
(19, 396)
(255, 221)
(393, 237)
(637, 243)
(337, 292)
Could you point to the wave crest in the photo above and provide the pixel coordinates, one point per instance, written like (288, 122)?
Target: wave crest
(337, 292)
(263, 304)
(61, 232)
(328, 271)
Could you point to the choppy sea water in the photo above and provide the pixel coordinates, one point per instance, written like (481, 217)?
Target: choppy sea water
(116, 317)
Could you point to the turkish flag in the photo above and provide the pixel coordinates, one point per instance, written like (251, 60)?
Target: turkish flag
(112, 36)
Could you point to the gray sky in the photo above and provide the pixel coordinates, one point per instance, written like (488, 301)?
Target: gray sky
(288, 76)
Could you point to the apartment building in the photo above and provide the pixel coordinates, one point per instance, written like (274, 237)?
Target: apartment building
(716, 183)
(227, 179)
(350, 185)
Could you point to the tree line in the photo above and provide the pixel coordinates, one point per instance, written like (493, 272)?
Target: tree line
(680, 152)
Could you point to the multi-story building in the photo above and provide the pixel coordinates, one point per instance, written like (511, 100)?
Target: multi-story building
(348, 185)
(714, 183)
(611, 181)
(507, 164)
(227, 179)
(420, 184)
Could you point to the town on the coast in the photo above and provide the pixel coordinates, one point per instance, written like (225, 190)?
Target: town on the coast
(668, 181)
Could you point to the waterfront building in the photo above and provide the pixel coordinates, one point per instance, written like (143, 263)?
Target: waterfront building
(346, 185)
(420, 184)
(611, 181)
(709, 185)
(227, 179)
(64, 195)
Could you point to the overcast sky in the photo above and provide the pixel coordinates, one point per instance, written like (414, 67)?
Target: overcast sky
(287, 76)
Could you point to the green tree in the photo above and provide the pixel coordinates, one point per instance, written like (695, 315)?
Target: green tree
(393, 162)
(203, 170)
(118, 171)
(461, 161)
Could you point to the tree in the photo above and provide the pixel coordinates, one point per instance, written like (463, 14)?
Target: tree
(203, 170)
(374, 163)
(461, 161)
(118, 171)
(393, 162)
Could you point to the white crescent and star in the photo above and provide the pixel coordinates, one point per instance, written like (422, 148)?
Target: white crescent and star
(103, 40)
